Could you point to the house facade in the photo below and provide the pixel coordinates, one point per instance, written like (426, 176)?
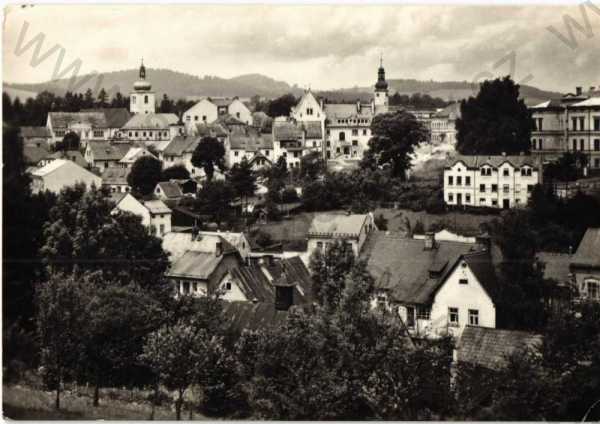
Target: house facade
(326, 229)
(208, 110)
(61, 173)
(491, 181)
(568, 124)
(103, 154)
(156, 216)
(585, 266)
(89, 126)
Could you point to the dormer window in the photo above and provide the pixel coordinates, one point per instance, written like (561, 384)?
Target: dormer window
(526, 172)
(506, 172)
(463, 281)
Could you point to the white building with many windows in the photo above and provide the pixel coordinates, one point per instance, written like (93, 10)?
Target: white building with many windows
(492, 181)
(568, 124)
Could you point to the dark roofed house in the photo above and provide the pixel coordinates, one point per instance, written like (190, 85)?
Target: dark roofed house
(491, 347)
(438, 287)
(33, 154)
(102, 154)
(35, 137)
(115, 179)
(167, 190)
(585, 265)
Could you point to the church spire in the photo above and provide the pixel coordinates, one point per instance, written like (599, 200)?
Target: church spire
(142, 70)
(381, 84)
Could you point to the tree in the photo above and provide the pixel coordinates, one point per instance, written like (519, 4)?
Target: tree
(145, 173)
(496, 121)
(88, 100)
(281, 106)
(166, 105)
(83, 236)
(177, 355)
(208, 154)
(102, 98)
(60, 318)
(312, 165)
(395, 136)
(214, 199)
(328, 269)
(175, 172)
(70, 141)
(242, 179)
(381, 222)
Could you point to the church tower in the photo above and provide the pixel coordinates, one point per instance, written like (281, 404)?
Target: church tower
(380, 95)
(141, 99)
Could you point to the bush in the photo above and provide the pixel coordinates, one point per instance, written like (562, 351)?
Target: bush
(289, 195)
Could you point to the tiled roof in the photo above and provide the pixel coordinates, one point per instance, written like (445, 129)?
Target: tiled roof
(179, 243)
(156, 206)
(250, 142)
(253, 283)
(251, 316)
(553, 103)
(33, 154)
(592, 101)
(588, 252)
(401, 265)
(195, 264)
(336, 225)
(214, 129)
(451, 111)
(483, 269)
(295, 273)
(52, 166)
(181, 144)
(151, 121)
(556, 265)
(134, 153)
(313, 130)
(286, 130)
(338, 110)
(475, 161)
(170, 189)
(72, 155)
(491, 347)
(33, 132)
(103, 150)
(115, 117)
(64, 119)
(221, 102)
(116, 175)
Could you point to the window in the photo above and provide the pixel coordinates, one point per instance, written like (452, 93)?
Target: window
(486, 172)
(186, 287)
(467, 198)
(574, 124)
(581, 124)
(146, 99)
(540, 147)
(458, 180)
(195, 286)
(529, 188)
(309, 111)
(482, 188)
(424, 312)
(505, 188)
(593, 289)
(450, 180)
(410, 316)
(98, 133)
(506, 172)
(574, 144)
(494, 202)
(450, 197)
(319, 245)
(133, 99)
(467, 181)
(473, 317)
(354, 132)
(494, 188)
(162, 229)
(540, 122)
(342, 136)
(597, 144)
(463, 281)
(188, 118)
(597, 123)
(482, 201)
(364, 132)
(582, 144)
(235, 153)
(453, 317)
(526, 172)
(355, 142)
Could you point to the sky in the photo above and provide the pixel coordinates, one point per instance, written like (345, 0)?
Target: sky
(324, 47)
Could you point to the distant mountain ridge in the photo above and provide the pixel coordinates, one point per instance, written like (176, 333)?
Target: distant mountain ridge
(181, 85)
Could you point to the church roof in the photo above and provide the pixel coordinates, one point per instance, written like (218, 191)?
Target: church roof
(151, 121)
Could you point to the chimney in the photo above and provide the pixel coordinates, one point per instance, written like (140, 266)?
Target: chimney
(218, 248)
(429, 240)
(578, 91)
(483, 242)
(358, 105)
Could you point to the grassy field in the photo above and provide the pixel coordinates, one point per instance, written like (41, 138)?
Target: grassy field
(25, 403)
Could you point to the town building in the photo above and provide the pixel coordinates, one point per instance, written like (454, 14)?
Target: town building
(72, 155)
(133, 154)
(208, 110)
(491, 181)
(103, 154)
(114, 178)
(35, 136)
(115, 118)
(328, 228)
(168, 191)
(437, 287)
(585, 266)
(442, 125)
(89, 126)
(251, 144)
(61, 173)
(568, 124)
(152, 128)
(156, 216)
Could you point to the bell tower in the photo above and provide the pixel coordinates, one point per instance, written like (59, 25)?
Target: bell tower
(141, 99)
(380, 94)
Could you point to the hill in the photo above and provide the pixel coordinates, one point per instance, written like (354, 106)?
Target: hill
(180, 85)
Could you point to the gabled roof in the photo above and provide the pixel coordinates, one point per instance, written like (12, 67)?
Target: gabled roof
(286, 130)
(103, 150)
(313, 130)
(592, 101)
(35, 132)
(343, 111)
(253, 283)
(588, 252)
(556, 265)
(134, 153)
(402, 265)
(336, 225)
(180, 145)
(251, 316)
(251, 142)
(195, 264)
(476, 161)
(72, 155)
(115, 117)
(59, 163)
(152, 121)
(491, 347)
(295, 273)
(221, 101)
(64, 119)
(171, 190)
(34, 154)
(179, 243)
(115, 175)
(156, 206)
(214, 129)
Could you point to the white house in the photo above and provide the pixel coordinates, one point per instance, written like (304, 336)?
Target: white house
(62, 173)
(208, 110)
(156, 216)
(492, 181)
(328, 228)
(585, 266)
(437, 287)
(152, 128)
(103, 155)
(89, 126)
(133, 154)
